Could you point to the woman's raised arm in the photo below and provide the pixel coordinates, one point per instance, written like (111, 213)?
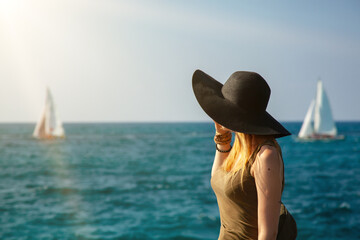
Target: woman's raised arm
(220, 156)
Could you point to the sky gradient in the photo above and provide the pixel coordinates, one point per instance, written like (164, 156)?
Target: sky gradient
(114, 60)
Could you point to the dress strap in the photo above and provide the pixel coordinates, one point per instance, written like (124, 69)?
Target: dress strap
(257, 149)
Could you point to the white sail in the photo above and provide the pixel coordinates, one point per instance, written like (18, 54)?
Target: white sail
(40, 126)
(307, 128)
(49, 125)
(323, 120)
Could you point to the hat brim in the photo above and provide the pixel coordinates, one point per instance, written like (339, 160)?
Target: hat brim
(207, 91)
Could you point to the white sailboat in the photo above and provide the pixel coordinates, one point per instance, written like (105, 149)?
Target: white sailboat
(49, 125)
(318, 122)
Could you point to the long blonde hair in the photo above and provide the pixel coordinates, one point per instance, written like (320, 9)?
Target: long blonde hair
(243, 147)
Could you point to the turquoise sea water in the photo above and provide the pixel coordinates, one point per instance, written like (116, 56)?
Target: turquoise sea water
(152, 181)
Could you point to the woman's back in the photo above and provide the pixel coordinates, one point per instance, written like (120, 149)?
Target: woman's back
(237, 199)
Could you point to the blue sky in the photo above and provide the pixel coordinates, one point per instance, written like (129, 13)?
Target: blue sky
(115, 60)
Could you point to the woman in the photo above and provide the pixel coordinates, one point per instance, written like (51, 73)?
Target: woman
(248, 177)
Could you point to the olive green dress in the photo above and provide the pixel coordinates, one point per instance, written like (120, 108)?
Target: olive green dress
(238, 206)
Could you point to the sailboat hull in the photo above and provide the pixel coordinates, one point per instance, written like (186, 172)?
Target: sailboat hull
(49, 137)
(322, 137)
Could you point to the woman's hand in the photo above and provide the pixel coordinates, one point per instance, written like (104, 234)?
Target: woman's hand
(220, 156)
(221, 129)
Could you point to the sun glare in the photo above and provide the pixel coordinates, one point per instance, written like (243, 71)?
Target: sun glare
(9, 7)
(16, 18)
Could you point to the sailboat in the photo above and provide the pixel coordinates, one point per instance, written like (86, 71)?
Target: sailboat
(49, 125)
(319, 123)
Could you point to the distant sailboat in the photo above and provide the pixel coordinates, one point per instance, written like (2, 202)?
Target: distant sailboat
(49, 125)
(318, 122)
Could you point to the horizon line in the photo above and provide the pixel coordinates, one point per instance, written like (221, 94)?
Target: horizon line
(149, 122)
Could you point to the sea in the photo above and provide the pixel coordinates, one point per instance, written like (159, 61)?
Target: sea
(152, 181)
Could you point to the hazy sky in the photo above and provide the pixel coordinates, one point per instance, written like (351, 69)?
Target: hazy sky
(112, 60)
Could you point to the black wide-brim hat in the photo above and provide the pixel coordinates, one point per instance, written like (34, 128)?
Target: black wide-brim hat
(240, 104)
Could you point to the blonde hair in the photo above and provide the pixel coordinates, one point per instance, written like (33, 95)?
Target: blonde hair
(243, 147)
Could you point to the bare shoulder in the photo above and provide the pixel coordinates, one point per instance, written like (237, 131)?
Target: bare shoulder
(267, 158)
(269, 154)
